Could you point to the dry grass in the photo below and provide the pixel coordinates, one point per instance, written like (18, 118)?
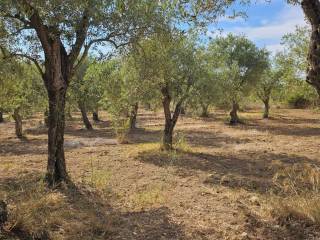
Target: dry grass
(259, 180)
(150, 196)
(298, 196)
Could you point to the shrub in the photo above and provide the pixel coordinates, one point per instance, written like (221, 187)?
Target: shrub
(299, 101)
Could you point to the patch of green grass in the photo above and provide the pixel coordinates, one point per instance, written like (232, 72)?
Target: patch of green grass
(151, 196)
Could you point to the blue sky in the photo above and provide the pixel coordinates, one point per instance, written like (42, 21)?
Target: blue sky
(266, 22)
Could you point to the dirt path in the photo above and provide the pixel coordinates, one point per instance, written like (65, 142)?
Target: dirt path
(215, 187)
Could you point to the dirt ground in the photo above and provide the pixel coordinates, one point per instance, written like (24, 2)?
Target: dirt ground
(216, 186)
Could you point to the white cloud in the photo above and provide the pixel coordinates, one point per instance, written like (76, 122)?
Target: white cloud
(274, 48)
(284, 23)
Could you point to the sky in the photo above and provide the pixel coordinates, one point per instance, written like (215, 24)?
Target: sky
(266, 22)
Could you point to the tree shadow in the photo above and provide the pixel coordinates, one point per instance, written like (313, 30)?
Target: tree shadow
(208, 139)
(278, 128)
(142, 135)
(252, 171)
(26, 147)
(84, 213)
(258, 228)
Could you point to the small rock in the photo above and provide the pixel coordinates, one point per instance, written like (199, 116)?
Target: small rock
(255, 200)
(244, 235)
(72, 144)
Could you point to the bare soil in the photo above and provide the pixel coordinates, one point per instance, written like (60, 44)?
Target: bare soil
(215, 186)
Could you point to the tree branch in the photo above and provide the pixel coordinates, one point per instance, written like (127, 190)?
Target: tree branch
(81, 34)
(18, 17)
(94, 41)
(7, 55)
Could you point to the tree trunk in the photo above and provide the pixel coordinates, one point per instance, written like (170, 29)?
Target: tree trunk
(46, 117)
(204, 112)
(56, 169)
(168, 135)
(234, 114)
(85, 118)
(95, 116)
(266, 108)
(170, 121)
(311, 9)
(133, 116)
(1, 117)
(68, 112)
(18, 123)
(56, 78)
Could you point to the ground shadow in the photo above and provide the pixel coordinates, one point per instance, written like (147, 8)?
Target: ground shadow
(276, 127)
(295, 229)
(24, 147)
(142, 135)
(252, 171)
(86, 214)
(208, 139)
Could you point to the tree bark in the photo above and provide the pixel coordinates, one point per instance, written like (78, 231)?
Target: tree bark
(204, 112)
(133, 116)
(311, 10)
(68, 112)
(1, 117)
(56, 169)
(95, 116)
(56, 81)
(46, 118)
(84, 115)
(170, 120)
(266, 108)
(234, 114)
(168, 127)
(18, 123)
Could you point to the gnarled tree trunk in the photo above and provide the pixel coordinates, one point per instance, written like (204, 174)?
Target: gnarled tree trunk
(204, 109)
(56, 81)
(133, 116)
(68, 112)
(18, 122)
(1, 117)
(183, 110)
(84, 115)
(95, 115)
(56, 169)
(266, 108)
(311, 9)
(46, 117)
(170, 120)
(234, 119)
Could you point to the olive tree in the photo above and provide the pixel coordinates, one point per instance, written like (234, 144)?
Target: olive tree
(168, 60)
(242, 65)
(292, 63)
(206, 91)
(19, 92)
(60, 35)
(270, 80)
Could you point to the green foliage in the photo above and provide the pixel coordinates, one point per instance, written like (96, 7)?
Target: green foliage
(269, 81)
(206, 90)
(241, 66)
(88, 85)
(168, 60)
(21, 88)
(292, 64)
